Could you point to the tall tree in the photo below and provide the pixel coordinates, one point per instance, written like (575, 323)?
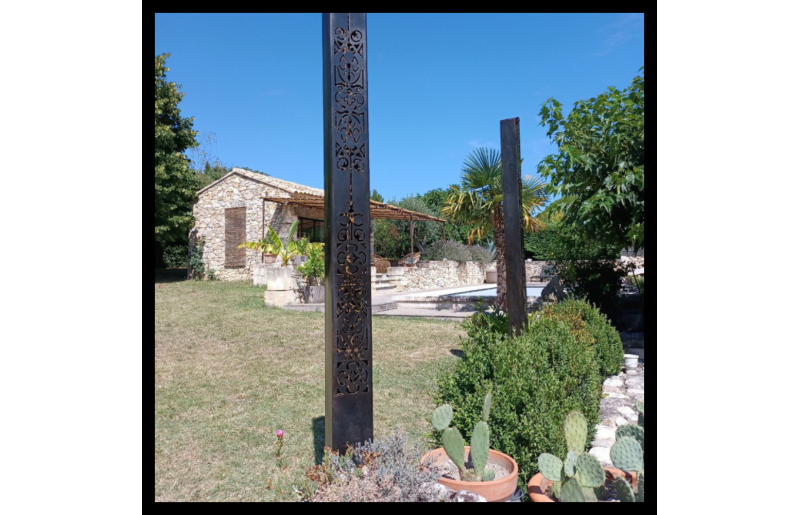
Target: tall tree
(599, 167)
(176, 184)
(478, 201)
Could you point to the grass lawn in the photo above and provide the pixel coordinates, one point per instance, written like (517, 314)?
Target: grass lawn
(230, 372)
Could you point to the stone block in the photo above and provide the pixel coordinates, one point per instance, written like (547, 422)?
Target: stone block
(279, 278)
(278, 298)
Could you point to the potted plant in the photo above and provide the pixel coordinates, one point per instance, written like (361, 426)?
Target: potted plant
(581, 478)
(475, 467)
(313, 270)
(273, 246)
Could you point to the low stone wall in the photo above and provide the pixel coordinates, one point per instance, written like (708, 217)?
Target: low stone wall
(535, 271)
(437, 274)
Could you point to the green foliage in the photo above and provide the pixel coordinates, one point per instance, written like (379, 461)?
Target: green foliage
(624, 490)
(273, 244)
(210, 173)
(376, 196)
(587, 266)
(478, 203)
(596, 331)
(175, 182)
(483, 325)
(640, 409)
(480, 254)
(450, 250)
(314, 267)
(197, 268)
(536, 379)
(635, 432)
(578, 468)
(599, 167)
(539, 244)
(453, 442)
(442, 417)
(575, 432)
(436, 199)
(176, 255)
(627, 454)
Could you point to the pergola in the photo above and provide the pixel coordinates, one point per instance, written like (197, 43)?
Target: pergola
(376, 210)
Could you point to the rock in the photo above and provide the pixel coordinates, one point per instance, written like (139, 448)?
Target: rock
(554, 291)
(616, 395)
(604, 432)
(603, 455)
(465, 496)
(636, 390)
(621, 421)
(613, 381)
(626, 411)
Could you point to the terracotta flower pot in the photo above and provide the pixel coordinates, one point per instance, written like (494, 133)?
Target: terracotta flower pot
(270, 258)
(538, 484)
(493, 491)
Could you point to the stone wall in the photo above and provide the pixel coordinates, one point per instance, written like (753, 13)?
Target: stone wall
(438, 274)
(238, 191)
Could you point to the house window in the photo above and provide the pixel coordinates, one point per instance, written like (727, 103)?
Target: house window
(235, 235)
(310, 229)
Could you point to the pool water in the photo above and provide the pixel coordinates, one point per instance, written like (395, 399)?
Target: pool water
(532, 291)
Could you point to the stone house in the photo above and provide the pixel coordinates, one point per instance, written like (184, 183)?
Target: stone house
(232, 210)
(241, 206)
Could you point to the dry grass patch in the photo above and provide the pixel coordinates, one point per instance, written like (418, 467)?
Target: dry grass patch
(230, 372)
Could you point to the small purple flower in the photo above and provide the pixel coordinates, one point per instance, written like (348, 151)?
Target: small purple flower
(280, 433)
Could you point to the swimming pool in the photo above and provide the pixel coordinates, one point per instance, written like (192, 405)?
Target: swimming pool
(532, 291)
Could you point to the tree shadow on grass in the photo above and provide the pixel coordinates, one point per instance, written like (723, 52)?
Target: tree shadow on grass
(457, 353)
(170, 275)
(318, 428)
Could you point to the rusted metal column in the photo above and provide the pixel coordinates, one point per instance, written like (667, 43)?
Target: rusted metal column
(512, 213)
(411, 224)
(348, 319)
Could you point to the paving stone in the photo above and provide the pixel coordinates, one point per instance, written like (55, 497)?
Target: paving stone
(605, 432)
(613, 381)
(621, 421)
(607, 443)
(603, 454)
(615, 395)
(636, 390)
(626, 411)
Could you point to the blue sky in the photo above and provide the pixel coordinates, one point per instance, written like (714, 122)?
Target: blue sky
(439, 84)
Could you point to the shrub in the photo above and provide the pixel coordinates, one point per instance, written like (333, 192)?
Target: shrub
(536, 379)
(387, 470)
(592, 328)
(451, 250)
(176, 256)
(197, 268)
(599, 281)
(480, 254)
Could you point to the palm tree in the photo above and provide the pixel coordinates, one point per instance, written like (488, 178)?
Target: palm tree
(478, 201)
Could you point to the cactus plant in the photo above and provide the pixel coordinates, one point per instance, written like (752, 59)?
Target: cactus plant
(580, 477)
(453, 442)
(627, 453)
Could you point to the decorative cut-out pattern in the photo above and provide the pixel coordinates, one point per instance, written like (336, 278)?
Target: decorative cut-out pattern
(352, 310)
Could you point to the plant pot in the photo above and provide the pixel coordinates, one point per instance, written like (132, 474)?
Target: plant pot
(631, 361)
(314, 294)
(538, 484)
(270, 258)
(495, 490)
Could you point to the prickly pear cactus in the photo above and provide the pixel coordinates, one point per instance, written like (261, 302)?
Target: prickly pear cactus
(453, 444)
(589, 471)
(572, 491)
(442, 417)
(551, 467)
(479, 447)
(626, 454)
(624, 490)
(570, 464)
(640, 493)
(635, 432)
(488, 475)
(575, 431)
(487, 407)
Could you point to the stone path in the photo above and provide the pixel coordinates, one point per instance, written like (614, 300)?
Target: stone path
(616, 409)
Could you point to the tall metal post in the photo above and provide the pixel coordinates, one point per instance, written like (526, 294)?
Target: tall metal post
(348, 319)
(512, 212)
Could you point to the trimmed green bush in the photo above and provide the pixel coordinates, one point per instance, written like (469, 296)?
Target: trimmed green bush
(604, 339)
(535, 379)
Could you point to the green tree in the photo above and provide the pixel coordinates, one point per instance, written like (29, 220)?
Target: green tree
(377, 197)
(478, 201)
(436, 199)
(599, 167)
(210, 173)
(176, 184)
